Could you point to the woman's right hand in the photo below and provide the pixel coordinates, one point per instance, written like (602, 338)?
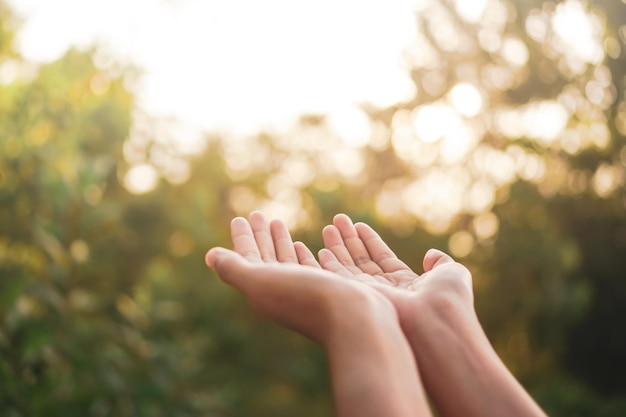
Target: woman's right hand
(284, 282)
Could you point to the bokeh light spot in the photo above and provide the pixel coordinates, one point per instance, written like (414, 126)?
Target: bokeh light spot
(470, 11)
(461, 244)
(242, 199)
(515, 52)
(432, 121)
(466, 99)
(79, 251)
(481, 196)
(606, 179)
(100, 83)
(352, 125)
(486, 225)
(348, 162)
(578, 32)
(537, 25)
(141, 179)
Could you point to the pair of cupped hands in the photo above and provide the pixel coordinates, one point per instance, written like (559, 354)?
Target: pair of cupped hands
(355, 276)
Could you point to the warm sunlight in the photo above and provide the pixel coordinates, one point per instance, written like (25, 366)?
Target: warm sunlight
(250, 71)
(238, 65)
(137, 136)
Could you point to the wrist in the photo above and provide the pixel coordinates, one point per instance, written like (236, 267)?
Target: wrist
(359, 316)
(448, 340)
(426, 313)
(373, 367)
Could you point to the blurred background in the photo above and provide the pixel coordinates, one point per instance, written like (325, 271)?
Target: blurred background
(132, 132)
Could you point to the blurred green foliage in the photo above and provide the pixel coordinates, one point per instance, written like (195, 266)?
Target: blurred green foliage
(106, 308)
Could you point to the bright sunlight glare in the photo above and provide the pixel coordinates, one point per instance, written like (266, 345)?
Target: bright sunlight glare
(238, 65)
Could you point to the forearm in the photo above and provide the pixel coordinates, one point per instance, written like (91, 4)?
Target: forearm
(461, 372)
(374, 373)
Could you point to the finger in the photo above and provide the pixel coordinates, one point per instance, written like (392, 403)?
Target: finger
(435, 257)
(283, 245)
(305, 256)
(262, 236)
(334, 243)
(329, 262)
(229, 265)
(378, 250)
(243, 239)
(353, 243)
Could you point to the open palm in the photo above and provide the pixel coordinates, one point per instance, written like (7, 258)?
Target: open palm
(357, 252)
(275, 275)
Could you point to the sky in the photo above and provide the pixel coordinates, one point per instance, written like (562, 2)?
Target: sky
(237, 65)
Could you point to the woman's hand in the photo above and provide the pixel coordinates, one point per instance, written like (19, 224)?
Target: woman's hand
(372, 367)
(462, 373)
(357, 252)
(283, 282)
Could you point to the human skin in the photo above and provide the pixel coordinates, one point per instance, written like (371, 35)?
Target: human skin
(461, 371)
(372, 367)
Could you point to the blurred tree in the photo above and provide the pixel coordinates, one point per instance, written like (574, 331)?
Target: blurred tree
(511, 155)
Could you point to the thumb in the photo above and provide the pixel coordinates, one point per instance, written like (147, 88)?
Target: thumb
(435, 257)
(228, 264)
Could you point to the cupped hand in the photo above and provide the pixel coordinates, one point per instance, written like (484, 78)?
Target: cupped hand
(284, 282)
(356, 251)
